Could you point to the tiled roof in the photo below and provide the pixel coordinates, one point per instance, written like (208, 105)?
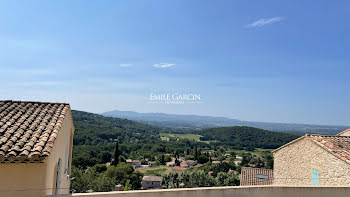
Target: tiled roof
(191, 162)
(28, 129)
(337, 145)
(343, 132)
(152, 178)
(256, 176)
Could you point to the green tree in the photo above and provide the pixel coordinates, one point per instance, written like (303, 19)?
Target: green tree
(203, 159)
(105, 157)
(82, 181)
(162, 160)
(177, 162)
(124, 172)
(269, 161)
(195, 153)
(170, 180)
(116, 154)
(127, 186)
(247, 157)
(199, 178)
(226, 179)
(99, 168)
(103, 184)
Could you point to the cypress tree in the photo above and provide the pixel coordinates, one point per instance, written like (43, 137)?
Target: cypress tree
(116, 154)
(195, 153)
(162, 160)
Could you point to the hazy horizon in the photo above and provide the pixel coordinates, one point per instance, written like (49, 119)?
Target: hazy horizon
(213, 116)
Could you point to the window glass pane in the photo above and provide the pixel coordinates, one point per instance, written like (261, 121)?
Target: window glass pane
(58, 179)
(262, 176)
(66, 160)
(315, 176)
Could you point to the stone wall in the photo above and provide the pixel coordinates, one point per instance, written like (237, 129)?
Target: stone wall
(293, 165)
(231, 191)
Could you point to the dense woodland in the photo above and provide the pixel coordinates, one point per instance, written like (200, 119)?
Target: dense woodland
(246, 138)
(95, 141)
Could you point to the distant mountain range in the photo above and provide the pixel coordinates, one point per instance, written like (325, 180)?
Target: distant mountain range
(190, 122)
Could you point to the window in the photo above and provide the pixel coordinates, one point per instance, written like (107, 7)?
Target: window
(66, 161)
(58, 176)
(262, 176)
(315, 176)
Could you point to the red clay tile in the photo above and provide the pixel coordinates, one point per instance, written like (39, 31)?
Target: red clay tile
(256, 176)
(29, 129)
(338, 145)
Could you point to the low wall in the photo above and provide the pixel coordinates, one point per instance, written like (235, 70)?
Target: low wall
(234, 191)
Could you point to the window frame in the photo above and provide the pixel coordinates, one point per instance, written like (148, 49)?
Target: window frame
(315, 176)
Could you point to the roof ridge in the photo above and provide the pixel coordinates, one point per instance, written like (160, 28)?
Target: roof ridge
(243, 167)
(41, 102)
(325, 135)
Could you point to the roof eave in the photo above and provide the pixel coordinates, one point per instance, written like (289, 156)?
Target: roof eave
(33, 159)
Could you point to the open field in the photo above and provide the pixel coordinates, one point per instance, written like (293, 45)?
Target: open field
(193, 137)
(257, 152)
(181, 136)
(157, 170)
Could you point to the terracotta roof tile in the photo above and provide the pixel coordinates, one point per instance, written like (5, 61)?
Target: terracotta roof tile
(152, 178)
(256, 176)
(337, 145)
(29, 129)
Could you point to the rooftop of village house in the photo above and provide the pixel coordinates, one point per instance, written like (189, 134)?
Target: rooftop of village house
(335, 144)
(28, 129)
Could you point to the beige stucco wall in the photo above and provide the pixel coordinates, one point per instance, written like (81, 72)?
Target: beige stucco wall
(234, 191)
(62, 144)
(293, 165)
(37, 179)
(150, 184)
(22, 179)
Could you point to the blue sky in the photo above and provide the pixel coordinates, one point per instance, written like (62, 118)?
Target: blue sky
(275, 61)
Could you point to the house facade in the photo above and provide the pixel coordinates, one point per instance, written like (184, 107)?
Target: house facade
(313, 160)
(151, 182)
(35, 148)
(136, 163)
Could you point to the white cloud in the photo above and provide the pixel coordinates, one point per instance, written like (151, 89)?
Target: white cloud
(163, 65)
(264, 21)
(125, 65)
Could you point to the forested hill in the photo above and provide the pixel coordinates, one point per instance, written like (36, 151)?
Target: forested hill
(93, 128)
(242, 137)
(95, 136)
